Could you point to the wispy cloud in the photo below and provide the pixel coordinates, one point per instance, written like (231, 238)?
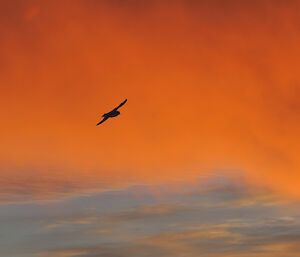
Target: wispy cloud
(213, 222)
(64, 253)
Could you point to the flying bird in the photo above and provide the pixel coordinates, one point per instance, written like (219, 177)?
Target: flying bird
(112, 113)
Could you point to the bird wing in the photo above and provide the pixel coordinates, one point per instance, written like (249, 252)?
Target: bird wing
(120, 105)
(104, 119)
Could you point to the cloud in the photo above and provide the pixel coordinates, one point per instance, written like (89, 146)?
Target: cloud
(210, 240)
(66, 253)
(213, 223)
(151, 211)
(73, 221)
(212, 197)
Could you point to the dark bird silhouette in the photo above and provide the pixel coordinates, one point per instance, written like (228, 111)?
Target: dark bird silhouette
(112, 113)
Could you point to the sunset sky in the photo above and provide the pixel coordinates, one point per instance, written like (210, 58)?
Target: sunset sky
(204, 158)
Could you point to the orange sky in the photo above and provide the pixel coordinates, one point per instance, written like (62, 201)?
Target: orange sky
(210, 85)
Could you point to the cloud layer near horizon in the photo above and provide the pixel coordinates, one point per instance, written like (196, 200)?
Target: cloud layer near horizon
(220, 218)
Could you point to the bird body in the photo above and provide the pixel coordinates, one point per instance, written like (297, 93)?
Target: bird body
(112, 113)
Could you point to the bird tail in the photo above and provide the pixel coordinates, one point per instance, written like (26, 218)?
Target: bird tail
(102, 121)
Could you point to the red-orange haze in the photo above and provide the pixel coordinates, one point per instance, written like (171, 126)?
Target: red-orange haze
(210, 85)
